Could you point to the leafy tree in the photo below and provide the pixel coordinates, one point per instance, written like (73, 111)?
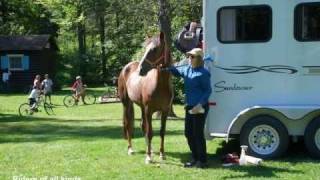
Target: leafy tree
(30, 18)
(97, 38)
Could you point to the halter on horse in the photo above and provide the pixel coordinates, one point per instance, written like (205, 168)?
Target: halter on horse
(149, 88)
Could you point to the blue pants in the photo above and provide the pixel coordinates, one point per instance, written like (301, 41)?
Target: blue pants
(194, 127)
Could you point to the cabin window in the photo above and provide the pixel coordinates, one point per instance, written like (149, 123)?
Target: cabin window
(244, 24)
(15, 62)
(307, 22)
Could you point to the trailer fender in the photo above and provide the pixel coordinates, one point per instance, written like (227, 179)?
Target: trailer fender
(298, 114)
(248, 113)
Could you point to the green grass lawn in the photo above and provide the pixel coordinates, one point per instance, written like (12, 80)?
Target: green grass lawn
(86, 142)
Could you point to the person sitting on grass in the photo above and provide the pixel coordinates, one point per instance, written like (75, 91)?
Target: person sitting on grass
(33, 97)
(79, 88)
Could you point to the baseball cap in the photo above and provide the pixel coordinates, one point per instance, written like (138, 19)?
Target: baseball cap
(196, 52)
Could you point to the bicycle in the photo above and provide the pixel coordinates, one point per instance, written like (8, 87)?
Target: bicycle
(71, 100)
(26, 110)
(110, 95)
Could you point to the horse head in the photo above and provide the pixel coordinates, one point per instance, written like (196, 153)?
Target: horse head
(154, 55)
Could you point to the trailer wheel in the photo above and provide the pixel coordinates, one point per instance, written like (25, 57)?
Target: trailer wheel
(312, 138)
(265, 136)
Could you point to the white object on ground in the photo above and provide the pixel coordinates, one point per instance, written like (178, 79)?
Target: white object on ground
(243, 160)
(253, 160)
(148, 159)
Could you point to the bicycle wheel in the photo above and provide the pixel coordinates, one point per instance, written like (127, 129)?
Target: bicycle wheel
(24, 110)
(48, 108)
(89, 99)
(69, 101)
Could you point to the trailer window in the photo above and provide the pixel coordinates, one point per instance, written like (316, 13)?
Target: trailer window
(244, 24)
(307, 22)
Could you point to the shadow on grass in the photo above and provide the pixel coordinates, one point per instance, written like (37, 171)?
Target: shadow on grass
(17, 118)
(250, 171)
(296, 154)
(258, 172)
(49, 132)
(215, 163)
(37, 129)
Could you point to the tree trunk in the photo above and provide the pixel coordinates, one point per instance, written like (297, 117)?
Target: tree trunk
(81, 44)
(165, 27)
(103, 48)
(164, 20)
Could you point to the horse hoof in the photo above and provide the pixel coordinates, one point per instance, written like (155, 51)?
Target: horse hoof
(130, 151)
(148, 160)
(162, 157)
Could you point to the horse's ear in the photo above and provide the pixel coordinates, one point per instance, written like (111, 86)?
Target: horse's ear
(161, 36)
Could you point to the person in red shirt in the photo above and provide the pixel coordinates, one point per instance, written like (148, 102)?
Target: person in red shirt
(79, 88)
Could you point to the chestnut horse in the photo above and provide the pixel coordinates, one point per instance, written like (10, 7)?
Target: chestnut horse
(144, 84)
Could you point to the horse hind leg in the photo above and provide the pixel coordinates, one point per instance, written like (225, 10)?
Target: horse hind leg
(128, 123)
(128, 112)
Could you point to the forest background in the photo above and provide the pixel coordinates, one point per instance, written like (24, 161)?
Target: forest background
(96, 38)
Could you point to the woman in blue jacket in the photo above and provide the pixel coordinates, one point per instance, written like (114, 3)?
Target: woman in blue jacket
(197, 89)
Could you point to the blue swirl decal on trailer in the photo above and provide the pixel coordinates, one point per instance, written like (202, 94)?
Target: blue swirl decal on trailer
(252, 69)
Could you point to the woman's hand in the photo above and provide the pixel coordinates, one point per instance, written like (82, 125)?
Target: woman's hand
(159, 67)
(197, 109)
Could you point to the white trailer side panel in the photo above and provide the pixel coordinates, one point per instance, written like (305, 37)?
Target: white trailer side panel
(293, 85)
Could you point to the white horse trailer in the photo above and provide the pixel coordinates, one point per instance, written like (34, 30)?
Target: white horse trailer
(265, 74)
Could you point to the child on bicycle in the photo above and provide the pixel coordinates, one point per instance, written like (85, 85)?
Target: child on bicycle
(79, 88)
(33, 97)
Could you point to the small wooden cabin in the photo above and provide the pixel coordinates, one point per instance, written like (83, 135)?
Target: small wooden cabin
(25, 57)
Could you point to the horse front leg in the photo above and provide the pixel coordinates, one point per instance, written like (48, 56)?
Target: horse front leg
(148, 135)
(164, 116)
(143, 124)
(143, 121)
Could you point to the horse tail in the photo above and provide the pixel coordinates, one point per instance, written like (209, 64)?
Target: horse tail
(128, 111)
(121, 87)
